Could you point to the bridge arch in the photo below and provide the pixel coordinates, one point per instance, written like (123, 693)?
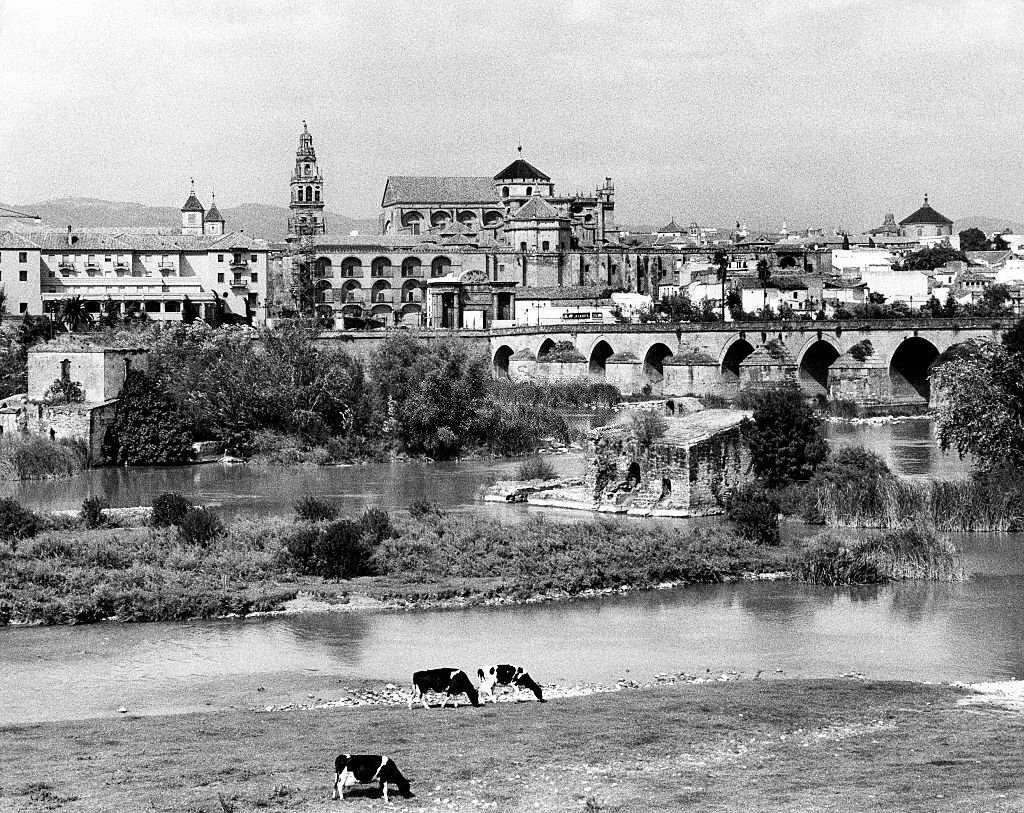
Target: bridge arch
(654, 363)
(910, 368)
(546, 345)
(501, 359)
(813, 363)
(735, 352)
(599, 356)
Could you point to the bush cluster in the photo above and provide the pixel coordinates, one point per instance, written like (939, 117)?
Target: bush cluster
(341, 549)
(169, 509)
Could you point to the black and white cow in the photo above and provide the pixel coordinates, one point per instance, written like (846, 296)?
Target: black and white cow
(450, 682)
(503, 674)
(352, 769)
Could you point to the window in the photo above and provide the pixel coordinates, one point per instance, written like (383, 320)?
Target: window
(23, 307)
(529, 191)
(106, 258)
(152, 307)
(522, 246)
(172, 307)
(22, 256)
(253, 258)
(504, 191)
(237, 259)
(546, 245)
(23, 275)
(254, 277)
(220, 258)
(220, 277)
(92, 259)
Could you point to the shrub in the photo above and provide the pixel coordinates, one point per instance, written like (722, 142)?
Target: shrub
(376, 524)
(342, 550)
(421, 509)
(311, 509)
(16, 522)
(862, 350)
(755, 514)
(200, 526)
(647, 427)
(149, 427)
(92, 511)
(170, 509)
(563, 351)
(64, 391)
(536, 468)
(37, 457)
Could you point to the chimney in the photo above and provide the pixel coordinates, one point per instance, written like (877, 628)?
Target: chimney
(69, 235)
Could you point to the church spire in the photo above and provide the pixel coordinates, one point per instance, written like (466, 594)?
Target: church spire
(306, 205)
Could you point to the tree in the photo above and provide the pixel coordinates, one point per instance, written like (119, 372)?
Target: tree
(111, 313)
(994, 299)
(149, 427)
(931, 257)
(784, 437)
(73, 314)
(974, 240)
(999, 244)
(734, 302)
(846, 242)
(3, 303)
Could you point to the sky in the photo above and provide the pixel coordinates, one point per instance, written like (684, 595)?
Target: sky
(817, 112)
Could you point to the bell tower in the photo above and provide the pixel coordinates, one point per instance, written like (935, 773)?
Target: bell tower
(307, 205)
(192, 213)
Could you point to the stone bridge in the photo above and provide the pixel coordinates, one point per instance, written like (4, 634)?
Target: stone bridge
(868, 362)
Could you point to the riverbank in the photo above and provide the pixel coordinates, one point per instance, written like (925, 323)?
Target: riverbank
(69, 574)
(725, 746)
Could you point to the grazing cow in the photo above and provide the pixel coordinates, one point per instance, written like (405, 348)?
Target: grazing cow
(351, 769)
(450, 682)
(503, 674)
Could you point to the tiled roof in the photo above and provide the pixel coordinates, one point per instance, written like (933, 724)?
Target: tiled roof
(83, 241)
(165, 242)
(671, 228)
(192, 204)
(536, 208)
(214, 215)
(988, 257)
(12, 240)
(520, 170)
(926, 215)
(444, 189)
(239, 240)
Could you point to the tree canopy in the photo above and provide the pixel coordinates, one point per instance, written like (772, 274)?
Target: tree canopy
(784, 436)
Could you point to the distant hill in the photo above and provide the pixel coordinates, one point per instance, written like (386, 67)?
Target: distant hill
(260, 219)
(988, 224)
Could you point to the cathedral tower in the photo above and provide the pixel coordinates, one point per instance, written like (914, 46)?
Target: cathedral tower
(192, 213)
(307, 205)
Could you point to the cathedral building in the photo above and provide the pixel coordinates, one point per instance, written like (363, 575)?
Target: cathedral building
(453, 250)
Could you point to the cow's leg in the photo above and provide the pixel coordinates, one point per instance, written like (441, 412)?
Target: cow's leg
(444, 700)
(384, 789)
(345, 780)
(412, 696)
(334, 793)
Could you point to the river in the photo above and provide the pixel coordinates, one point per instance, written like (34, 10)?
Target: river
(919, 631)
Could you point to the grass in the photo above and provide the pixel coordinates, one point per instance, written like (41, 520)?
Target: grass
(536, 468)
(945, 505)
(35, 457)
(784, 746)
(834, 559)
(68, 574)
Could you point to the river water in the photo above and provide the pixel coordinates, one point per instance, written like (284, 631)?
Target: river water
(919, 631)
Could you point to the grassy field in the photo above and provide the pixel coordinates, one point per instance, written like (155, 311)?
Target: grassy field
(741, 746)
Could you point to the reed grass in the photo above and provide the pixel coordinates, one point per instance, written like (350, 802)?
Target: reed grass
(833, 558)
(35, 457)
(945, 505)
(536, 468)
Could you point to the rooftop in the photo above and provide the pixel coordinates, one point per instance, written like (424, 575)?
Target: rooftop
(521, 170)
(438, 189)
(926, 215)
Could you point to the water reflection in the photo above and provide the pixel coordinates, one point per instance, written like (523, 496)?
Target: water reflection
(908, 445)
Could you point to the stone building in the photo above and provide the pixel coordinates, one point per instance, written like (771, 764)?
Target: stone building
(926, 222)
(99, 372)
(687, 471)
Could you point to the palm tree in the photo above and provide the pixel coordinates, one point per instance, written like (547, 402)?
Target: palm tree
(764, 273)
(721, 259)
(72, 313)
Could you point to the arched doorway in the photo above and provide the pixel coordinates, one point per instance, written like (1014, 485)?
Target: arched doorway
(546, 347)
(501, 359)
(654, 363)
(734, 356)
(599, 358)
(440, 267)
(813, 371)
(910, 368)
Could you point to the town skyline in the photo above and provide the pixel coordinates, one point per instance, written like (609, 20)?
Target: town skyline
(881, 108)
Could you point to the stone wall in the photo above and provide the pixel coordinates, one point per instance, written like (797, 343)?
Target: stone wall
(693, 379)
(100, 371)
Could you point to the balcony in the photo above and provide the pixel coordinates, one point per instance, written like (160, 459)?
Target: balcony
(241, 263)
(385, 297)
(68, 268)
(350, 297)
(121, 266)
(239, 281)
(384, 272)
(413, 271)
